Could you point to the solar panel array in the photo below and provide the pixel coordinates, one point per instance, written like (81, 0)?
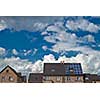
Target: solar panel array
(76, 67)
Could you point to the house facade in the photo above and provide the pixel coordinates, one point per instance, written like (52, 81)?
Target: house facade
(53, 73)
(91, 78)
(63, 73)
(9, 75)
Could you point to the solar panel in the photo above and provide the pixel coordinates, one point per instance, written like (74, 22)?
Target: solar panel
(76, 67)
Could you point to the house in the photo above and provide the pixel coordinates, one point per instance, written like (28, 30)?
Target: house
(9, 75)
(54, 73)
(74, 73)
(91, 78)
(35, 78)
(62, 73)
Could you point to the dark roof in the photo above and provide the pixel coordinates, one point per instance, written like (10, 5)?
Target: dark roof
(18, 74)
(62, 69)
(35, 78)
(54, 69)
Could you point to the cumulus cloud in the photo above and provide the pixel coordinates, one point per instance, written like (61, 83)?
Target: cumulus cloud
(88, 38)
(14, 51)
(27, 52)
(39, 26)
(49, 58)
(29, 23)
(44, 48)
(82, 24)
(21, 65)
(65, 41)
(44, 33)
(2, 51)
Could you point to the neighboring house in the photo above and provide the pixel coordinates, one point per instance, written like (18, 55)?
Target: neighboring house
(23, 79)
(9, 75)
(35, 78)
(91, 78)
(74, 73)
(54, 73)
(62, 73)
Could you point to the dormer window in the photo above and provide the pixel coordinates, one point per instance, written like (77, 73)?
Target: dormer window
(52, 70)
(71, 70)
(86, 78)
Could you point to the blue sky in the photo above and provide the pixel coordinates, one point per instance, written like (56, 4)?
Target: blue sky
(27, 42)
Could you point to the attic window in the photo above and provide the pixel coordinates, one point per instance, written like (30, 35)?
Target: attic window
(71, 70)
(7, 71)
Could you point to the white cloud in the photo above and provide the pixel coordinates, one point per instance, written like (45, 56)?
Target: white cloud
(38, 26)
(44, 48)
(37, 67)
(22, 65)
(82, 24)
(44, 33)
(88, 38)
(15, 52)
(53, 28)
(2, 25)
(49, 58)
(34, 51)
(27, 52)
(64, 41)
(2, 51)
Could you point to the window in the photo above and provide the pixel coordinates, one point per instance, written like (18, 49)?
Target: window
(58, 78)
(47, 78)
(78, 78)
(3, 78)
(68, 77)
(71, 70)
(52, 70)
(86, 78)
(36, 78)
(7, 71)
(93, 81)
(11, 78)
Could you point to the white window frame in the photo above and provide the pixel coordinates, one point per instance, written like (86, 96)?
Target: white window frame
(58, 78)
(78, 78)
